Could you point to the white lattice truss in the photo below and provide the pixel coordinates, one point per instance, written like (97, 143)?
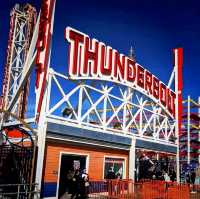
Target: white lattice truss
(109, 107)
(19, 48)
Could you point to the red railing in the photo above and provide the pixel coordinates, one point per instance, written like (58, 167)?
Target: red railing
(121, 189)
(165, 190)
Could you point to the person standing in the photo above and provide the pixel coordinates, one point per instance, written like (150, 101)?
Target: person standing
(193, 177)
(84, 185)
(117, 184)
(111, 174)
(75, 186)
(166, 177)
(173, 175)
(187, 177)
(110, 183)
(69, 185)
(167, 180)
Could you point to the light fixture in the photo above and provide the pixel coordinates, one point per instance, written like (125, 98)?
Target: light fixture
(66, 111)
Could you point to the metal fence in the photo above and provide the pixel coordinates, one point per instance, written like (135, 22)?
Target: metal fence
(126, 189)
(19, 191)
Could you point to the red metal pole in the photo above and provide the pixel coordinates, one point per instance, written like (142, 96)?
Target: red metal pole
(178, 55)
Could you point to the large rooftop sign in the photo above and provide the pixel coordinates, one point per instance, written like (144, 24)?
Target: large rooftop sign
(89, 58)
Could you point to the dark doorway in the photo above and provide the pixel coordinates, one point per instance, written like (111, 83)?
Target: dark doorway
(69, 162)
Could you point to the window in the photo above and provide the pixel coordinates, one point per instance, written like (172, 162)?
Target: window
(114, 167)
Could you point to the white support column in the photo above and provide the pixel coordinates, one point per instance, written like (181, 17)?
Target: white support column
(125, 116)
(42, 119)
(42, 131)
(80, 105)
(104, 111)
(141, 118)
(188, 130)
(132, 159)
(42, 128)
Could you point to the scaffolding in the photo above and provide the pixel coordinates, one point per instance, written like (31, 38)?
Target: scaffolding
(190, 134)
(22, 22)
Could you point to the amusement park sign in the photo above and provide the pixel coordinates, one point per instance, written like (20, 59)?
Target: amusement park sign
(89, 58)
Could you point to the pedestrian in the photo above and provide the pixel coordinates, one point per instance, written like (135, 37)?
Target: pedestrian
(84, 185)
(187, 177)
(166, 177)
(153, 177)
(172, 175)
(110, 181)
(75, 186)
(69, 183)
(117, 184)
(111, 174)
(193, 177)
(167, 180)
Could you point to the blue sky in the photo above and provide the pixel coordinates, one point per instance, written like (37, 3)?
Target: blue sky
(152, 27)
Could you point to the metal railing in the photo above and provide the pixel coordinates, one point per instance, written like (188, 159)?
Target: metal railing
(152, 189)
(19, 191)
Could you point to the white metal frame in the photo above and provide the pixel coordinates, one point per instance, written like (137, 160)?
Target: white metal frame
(86, 155)
(137, 114)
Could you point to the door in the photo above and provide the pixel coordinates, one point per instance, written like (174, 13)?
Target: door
(69, 163)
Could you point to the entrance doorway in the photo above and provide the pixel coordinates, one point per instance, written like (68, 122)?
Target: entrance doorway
(69, 162)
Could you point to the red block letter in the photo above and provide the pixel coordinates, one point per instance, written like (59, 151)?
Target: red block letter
(163, 94)
(130, 70)
(119, 66)
(90, 55)
(155, 87)
(140, 76)
(106, 60)
(148, 82)
(75, 39)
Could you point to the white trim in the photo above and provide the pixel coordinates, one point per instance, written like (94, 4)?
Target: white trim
(117, 157)
(158, 152)
(86, 155)
(86, 142)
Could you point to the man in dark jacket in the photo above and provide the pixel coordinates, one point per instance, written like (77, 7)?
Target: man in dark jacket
(193, 176)
(111, 174)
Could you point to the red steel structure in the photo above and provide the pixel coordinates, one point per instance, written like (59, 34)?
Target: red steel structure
(22, 22)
